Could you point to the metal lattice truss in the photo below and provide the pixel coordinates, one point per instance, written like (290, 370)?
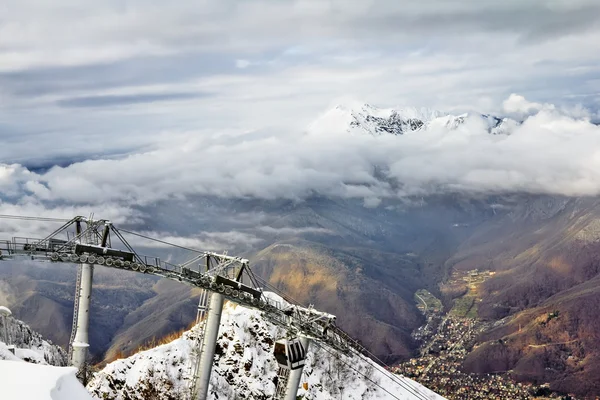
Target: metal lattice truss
(99, 242)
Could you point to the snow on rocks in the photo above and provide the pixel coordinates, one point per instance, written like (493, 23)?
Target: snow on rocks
(360, 119)
(245, 368)
(30, 346)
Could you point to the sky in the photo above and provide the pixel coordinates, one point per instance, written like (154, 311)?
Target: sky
(113, 103)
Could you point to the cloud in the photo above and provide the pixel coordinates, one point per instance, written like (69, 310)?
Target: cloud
(167, 106)
(551, 152)
(518, 105)
(372, 202)
(120, 100)
(242, 64)
(291, 231)
(72, 47)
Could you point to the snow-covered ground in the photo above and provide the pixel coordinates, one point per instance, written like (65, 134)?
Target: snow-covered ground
(30, 345)
(35, 371)
(21, 380)
(246, 369)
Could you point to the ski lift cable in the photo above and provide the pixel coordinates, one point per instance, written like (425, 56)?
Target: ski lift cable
(275, 290)
(26, 218)
(392, 376)
(374, 357)
(409, 389)
(161, 241)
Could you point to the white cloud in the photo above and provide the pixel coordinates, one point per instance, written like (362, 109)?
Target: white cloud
(32, 207)
(166, 106)
(242, 64)
(372, 202)
(518, 106)
(550, 152)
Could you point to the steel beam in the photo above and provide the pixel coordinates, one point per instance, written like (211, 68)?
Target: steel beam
(81, 341)
(211, 331)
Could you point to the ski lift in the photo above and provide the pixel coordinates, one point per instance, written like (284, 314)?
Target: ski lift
(290, 353)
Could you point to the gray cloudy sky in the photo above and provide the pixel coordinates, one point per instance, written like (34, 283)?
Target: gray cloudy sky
(155, 99)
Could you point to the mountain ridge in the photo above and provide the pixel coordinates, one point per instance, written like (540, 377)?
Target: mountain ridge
(357, 118)
(245, 368)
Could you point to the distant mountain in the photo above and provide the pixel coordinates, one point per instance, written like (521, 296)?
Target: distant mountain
(375, 258)
(544, 295)
(368, 119)
(245, 368)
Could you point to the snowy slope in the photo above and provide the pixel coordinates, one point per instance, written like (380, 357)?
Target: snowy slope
(26, 374)
(30, 346)
(25, 381)
(246, 369)
(359, 119)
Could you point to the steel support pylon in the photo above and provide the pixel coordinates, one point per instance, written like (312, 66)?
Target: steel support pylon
(200, 331)
(213, 321)
(293, 382)
(81, 340)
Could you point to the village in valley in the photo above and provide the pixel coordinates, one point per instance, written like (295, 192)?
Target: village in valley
(447, 338)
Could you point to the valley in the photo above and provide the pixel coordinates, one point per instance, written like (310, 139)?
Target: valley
(446, 339)
(536, 255)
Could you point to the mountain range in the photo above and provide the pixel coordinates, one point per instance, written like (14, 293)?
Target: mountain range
(364, 264)
(368, 119)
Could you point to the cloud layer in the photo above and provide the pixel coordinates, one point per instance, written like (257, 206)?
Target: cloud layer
(554, 151)
(115, 106)
(101, 79)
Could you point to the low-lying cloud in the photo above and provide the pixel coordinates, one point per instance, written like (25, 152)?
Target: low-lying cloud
(551, 152)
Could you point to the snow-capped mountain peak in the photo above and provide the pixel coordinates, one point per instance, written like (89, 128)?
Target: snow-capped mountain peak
(363, 118)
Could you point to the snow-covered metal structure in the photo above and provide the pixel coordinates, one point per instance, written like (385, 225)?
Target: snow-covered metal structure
(99, 242)
(207, 353)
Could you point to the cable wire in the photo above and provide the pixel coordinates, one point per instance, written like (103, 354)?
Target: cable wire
(279, 292)
(391, 376)
(409, 389)
(372, 356)
(162, 241)
(26, 218)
